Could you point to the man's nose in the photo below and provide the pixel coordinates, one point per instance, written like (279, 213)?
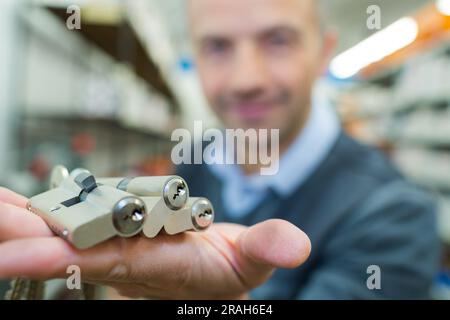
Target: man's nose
(250, 72)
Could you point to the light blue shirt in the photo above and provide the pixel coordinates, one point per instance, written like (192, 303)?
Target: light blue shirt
(241, 193)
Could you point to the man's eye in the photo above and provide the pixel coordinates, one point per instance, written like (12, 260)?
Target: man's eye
(216, 47)
(279, 41)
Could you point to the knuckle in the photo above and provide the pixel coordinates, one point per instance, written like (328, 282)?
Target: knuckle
(120, 272)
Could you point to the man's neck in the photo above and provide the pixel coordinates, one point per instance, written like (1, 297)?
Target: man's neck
(286, 141)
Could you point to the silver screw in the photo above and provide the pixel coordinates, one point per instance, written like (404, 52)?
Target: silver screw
(175, 193)
(202, 214)
(129, 216)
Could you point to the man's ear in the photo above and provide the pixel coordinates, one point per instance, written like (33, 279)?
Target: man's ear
(330, 41)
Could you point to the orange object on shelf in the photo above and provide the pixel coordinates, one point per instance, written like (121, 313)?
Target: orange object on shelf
(40, 167)
(434, 28)
(83, 143)
(156, 166)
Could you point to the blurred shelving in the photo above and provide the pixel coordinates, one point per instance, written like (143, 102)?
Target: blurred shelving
(87, 102)
(431, 168)
(94, 83)
(407, 107)
(444, 219)
(104, 146)
(426, 127)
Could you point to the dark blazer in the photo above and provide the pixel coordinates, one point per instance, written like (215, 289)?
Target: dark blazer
(358, 211)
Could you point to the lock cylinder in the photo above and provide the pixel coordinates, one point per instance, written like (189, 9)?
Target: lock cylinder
(173, 189)
(198, 215)
(86, 211)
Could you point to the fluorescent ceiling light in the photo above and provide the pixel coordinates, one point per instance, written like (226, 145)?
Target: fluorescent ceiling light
(67, 3)
(378, 46)
(60, 3)
(443, 6)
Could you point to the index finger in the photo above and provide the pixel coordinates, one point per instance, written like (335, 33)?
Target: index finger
(17, 223)
(10, 197)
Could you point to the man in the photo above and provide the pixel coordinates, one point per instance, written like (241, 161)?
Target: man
(258, 61)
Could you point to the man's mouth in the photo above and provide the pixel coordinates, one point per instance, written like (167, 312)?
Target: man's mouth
(252, 111)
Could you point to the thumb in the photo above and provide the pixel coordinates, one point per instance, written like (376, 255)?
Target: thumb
(269, 245)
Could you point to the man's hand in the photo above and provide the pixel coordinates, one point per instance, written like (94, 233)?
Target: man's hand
(224, 262)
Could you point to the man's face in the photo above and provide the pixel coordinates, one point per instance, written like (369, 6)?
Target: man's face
(258, 60)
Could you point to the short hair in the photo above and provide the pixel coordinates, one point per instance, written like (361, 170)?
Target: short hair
(322, 8)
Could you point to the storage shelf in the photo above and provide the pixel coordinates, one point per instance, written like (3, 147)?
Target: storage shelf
(424, 135)
(113, 124)
(435, 180)
(444, 219)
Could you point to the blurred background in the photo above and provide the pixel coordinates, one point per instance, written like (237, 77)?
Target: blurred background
(108, 95)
